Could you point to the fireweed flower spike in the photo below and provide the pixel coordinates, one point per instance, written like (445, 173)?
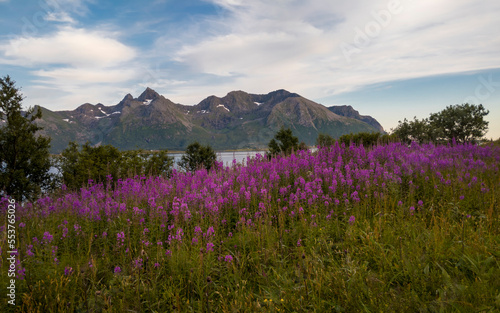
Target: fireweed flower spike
(352, 219)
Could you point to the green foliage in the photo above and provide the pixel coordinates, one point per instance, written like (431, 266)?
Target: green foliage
(97, 163)
(416, 130)
(366, 139)
(284, 142)
(440, 257)
(464, 123)
(24, 156)
(198, 156)
(324, 140)
(302, 146)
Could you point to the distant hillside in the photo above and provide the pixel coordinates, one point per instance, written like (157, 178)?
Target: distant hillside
(236, 121)
(348, 111)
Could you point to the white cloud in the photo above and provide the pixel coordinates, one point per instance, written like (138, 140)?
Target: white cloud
(297, 44)
(61, 17)
(86, 75)
(69, 46)
(72, 66)
(259, 46)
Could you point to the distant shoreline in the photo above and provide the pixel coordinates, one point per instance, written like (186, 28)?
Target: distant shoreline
(183, 151)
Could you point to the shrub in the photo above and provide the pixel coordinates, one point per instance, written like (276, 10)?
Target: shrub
(100, 163)
(198, 156)
(284, 142)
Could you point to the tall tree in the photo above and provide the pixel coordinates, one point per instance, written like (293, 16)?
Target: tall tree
(24, 155)
(416, 130)
(324, 140)
(283, 142)
(463, 122)
(197, 156)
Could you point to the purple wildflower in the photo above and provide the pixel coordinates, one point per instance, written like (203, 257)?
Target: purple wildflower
(210, 247)
(47, 237)
(352, 219)
(68, 270)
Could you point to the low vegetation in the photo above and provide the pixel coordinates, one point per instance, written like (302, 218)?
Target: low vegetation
(462, 123)
(367, 223)
(79, 165)
(393, 228)
(198, 156)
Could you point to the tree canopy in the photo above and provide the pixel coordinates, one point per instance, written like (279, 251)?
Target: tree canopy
(283, 142)
(198, 156)
(24, 155)
(79, 165)
(462, 123)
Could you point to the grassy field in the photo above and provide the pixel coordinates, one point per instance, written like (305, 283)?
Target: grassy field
(392, 228)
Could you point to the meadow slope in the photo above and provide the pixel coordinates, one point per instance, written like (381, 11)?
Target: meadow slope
(393, 228)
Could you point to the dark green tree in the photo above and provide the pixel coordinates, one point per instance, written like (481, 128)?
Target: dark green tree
(140, 162)
(197, 156)
(24, 155)
(89, 163)
(416, 130)
(98, 163)
(366, 139)
(159, 163)
(284, 142)
(464, 123)
(324, 140)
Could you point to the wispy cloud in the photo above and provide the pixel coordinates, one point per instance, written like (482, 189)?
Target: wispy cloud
(62, 17)
(189, 50)
(74, 61)
(68, 46)
(298, 45)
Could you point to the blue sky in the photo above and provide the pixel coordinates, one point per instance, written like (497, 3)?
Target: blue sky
(388, 59)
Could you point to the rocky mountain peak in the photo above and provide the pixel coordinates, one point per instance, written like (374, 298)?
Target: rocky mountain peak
(237, 120)
(128, 97)
(148, 94)
(282, 93)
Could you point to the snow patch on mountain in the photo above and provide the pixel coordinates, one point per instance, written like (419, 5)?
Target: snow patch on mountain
(223, 106)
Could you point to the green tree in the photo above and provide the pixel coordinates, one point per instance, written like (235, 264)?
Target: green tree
(416, 130)
(324, 140)
(283, 142)
(98, 163)
(140, 162)
(366, 139)
(24, 155)
(464, 123)
(95, 163)
(197, 156)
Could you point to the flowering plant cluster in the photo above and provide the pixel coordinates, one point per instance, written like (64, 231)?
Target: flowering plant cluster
(239, 221)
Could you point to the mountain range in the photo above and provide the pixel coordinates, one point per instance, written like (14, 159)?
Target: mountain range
(238, 120)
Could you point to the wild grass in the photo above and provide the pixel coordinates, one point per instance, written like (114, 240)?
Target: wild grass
(346, 229)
